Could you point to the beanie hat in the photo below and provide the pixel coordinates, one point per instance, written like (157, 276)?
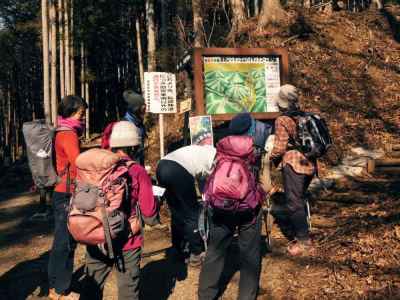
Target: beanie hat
(133, 100)
(287, 95)
(124, 134)
(240, 124)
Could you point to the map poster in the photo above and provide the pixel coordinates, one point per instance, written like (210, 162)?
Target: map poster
(160, 92)
(201, 132)
(234, 84)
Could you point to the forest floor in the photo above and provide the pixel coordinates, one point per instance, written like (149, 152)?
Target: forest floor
(356, 229)
(351, 76)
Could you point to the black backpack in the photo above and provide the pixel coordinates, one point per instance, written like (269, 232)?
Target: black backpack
(313, 137)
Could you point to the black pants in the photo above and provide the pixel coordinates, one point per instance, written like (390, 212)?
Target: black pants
(291, 216)
(222, 230)
(62, 252)
(98, 266)
(182, 201)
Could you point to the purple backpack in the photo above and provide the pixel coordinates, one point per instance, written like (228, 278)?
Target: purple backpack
(232, 185)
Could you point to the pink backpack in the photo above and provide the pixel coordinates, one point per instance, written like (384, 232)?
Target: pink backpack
(95, 217)
(232, 184)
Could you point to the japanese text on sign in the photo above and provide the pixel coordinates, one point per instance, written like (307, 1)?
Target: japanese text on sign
(160, 92)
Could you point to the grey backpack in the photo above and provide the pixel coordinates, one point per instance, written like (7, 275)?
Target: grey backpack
(39, 138)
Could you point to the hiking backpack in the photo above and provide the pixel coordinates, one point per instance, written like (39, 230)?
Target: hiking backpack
(39, 139)
(313, 137)
(95, 216)
(232, 184)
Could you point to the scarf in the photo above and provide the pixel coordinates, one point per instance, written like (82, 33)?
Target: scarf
(74, 124)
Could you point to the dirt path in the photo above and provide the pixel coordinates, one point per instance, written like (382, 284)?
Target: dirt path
(358, 253)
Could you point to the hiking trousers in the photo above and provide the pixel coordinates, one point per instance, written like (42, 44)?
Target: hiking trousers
(98, 266)
(182, 200)
(291, 216)
(222, 230)
(61, 259)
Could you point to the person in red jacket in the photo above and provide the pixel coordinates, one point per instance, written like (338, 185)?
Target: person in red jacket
(124, 140)
(71, 114)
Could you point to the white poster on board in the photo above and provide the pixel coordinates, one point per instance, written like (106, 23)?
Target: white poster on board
(160, 92)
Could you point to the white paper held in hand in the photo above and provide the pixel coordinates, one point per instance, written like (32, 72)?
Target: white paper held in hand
(158, 190)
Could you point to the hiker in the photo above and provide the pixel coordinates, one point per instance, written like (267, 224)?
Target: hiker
(233, 198)
(135, 112)
(125, 140)
(177, 172)
(297, 172)
(71, 114)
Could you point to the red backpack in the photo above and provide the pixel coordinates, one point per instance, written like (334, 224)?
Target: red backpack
(232, 184)
(95, 217)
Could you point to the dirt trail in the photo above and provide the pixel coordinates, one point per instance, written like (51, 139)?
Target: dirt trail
(358, 253)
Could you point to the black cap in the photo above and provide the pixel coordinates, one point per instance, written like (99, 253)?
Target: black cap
(240, 124)
(133, 100)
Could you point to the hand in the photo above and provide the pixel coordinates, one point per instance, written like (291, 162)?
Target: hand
(135, 225)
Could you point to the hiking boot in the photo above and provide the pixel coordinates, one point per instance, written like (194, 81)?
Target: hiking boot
(196, 260)
(301, 248)
(53, 295)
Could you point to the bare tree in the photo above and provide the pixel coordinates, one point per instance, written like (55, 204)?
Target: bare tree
(271, 12)
(67, 48)
(71, 45)
(238, 16)
(46, 73)
(151, 36)
(61, 38)
(53, 60)
(197, 24)
(139, 53)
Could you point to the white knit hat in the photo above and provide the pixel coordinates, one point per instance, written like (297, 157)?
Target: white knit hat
(288, 94)
(124, 134)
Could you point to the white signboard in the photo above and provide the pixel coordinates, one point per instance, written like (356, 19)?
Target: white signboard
(160, 92)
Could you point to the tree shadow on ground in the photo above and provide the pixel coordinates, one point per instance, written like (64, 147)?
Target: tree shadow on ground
(22, 228)
(393, 23)
(30, 278)
(163, 273)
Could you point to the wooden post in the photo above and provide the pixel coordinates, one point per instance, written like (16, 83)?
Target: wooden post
(161, 124)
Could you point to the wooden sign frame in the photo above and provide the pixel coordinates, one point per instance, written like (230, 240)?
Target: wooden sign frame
(198, 70)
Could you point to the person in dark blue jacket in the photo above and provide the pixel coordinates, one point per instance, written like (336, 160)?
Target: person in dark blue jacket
(136, 110)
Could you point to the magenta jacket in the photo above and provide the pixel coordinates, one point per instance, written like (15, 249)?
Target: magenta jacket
(142, 191)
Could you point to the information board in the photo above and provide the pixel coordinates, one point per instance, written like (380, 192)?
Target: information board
(229, 81)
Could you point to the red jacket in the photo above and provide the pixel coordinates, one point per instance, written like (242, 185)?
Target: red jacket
(66, 148)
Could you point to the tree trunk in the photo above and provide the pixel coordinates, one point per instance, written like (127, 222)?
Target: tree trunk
(72, 55)
(271, 12)
(61, 33)
(66, 37)
(53, 62)
(140, 53)
(238, 16)
(45, 44)
(256, 7)
(197, 24)
(151, 35)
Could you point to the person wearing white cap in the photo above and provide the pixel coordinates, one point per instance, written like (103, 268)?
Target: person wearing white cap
(124, 141)
(297, 171)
